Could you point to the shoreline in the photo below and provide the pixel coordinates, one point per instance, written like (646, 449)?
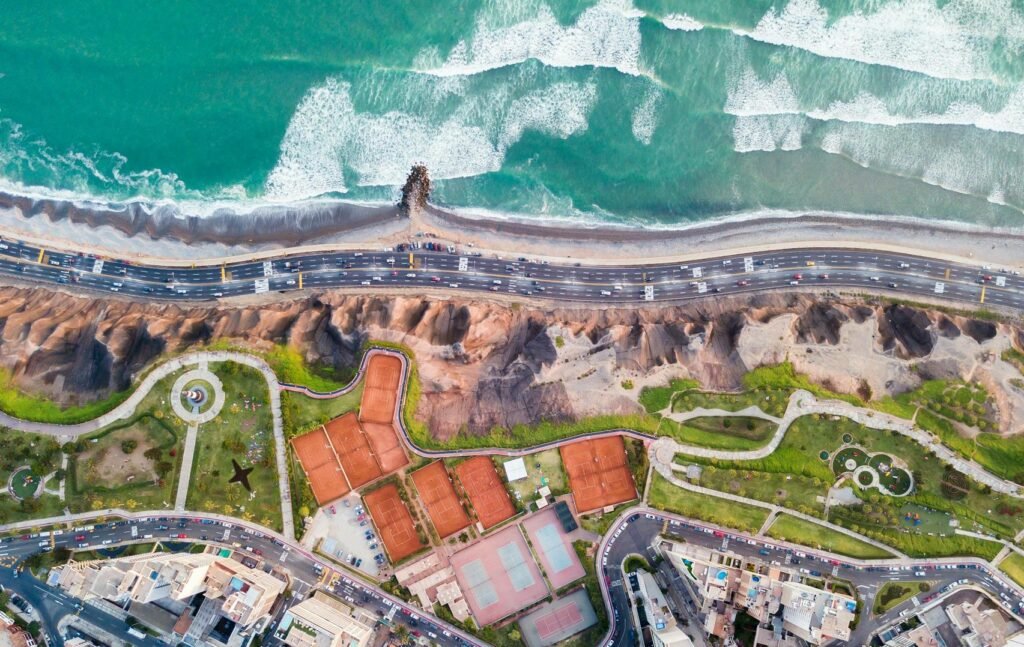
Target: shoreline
(162, 232)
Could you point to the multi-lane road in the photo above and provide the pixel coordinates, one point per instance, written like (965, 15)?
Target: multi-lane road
(261, 550)
(846, 269)
(636, 533)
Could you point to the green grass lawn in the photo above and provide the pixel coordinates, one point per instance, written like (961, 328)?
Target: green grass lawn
(657, 398)
(893, 594)
(302, 413)
(792, 491)
(716, 433)
(771, 401)
(145, 478)
(1013, 566)
(242, 431)
(805, 533)
(540, 466)
(666, 496)
(1015, 357)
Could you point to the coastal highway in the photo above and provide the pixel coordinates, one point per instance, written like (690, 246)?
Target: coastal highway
(377, 271)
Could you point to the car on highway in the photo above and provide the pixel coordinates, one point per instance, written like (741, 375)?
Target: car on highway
(798, 277)
(824, 277)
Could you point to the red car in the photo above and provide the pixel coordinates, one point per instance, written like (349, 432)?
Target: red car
(798, 277)
(182, 535)
(435, 279)
(742, 283)
(79, 537)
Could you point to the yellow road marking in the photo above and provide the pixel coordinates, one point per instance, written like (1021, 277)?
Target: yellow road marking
(300, 280)
(41, 252)
(412, 260)
(223, 274)
(982, 300)
(947, 273)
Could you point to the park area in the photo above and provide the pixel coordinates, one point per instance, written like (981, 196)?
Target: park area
(242, 431)
(498, 576)
(880, 469)
(665, 495)
(132, 464)
(806, 533)
(736, 433)
(486, 491)
(543, 469)
(393, 522)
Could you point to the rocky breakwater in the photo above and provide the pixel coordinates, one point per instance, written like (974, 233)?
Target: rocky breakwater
(485, 364)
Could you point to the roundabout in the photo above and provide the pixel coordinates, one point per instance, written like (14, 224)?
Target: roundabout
(197, 396)
(23, 484)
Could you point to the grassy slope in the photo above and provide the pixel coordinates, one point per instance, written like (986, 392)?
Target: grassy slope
(805, 533)
(666, 496)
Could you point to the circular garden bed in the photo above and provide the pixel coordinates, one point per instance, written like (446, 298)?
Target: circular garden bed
(24, 484)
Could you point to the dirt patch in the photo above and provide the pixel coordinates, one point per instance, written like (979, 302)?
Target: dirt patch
(107, 465)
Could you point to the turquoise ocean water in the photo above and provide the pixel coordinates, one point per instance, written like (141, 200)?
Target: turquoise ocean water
(644, 112)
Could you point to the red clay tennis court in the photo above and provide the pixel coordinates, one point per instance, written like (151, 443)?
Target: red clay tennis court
(385, 446)
(393, 521)
(320, 463)
(353, 450)
(380, 393)
(438, 495)
(485, 490)
(598, 473)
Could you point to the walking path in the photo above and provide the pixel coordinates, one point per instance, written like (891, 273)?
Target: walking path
(803, 403)
(667, 470)
(185, 476)
(127, 409)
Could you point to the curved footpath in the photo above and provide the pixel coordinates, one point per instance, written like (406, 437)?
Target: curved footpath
(661, 449)
(127, 409)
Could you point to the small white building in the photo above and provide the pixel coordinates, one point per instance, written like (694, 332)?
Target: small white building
(515, 469)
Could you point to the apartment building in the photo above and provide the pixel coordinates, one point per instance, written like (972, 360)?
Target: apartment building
(785, 608)
(324, 621)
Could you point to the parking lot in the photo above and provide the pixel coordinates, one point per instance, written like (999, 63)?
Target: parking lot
(343, 530)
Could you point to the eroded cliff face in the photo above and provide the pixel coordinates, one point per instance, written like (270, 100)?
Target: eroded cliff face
(485, 364)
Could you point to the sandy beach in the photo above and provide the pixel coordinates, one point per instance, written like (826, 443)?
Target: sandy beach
(163, 234)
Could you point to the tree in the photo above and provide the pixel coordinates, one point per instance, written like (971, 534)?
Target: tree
(514, 635)
(129, 446)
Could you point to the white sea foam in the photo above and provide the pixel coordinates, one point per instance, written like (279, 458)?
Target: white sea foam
(327, 136)
(750, 96)
(645, 116)
(605, 35)
(973, 164)
(954, 41)
(768, 133)
(79, 171)
(681, 22)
